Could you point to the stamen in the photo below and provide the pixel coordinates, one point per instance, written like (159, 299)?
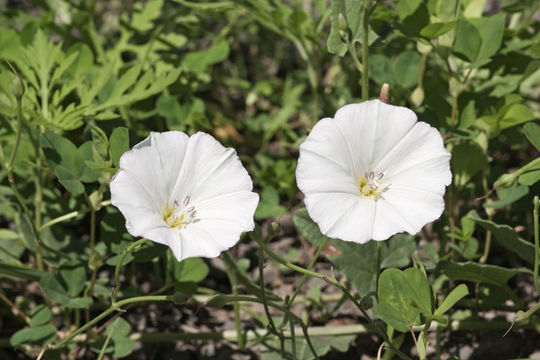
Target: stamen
(176, 217)
(186, 200)
(372, 175)
(380, 176)
(175, 204)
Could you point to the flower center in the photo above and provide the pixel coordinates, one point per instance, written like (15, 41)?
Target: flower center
(369, 186)
(176, 217)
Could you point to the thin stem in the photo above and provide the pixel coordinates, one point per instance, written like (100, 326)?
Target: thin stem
(365, 50)
(104, 347)
(18, 134)
(352, 50)
(337, 284)
(378, 267)
(70, 215)
(310, 265)
(115, 307)
(536, 243)
(271, 324)
(293, 339)
(119, 264)
(231, 274)
(14, 308)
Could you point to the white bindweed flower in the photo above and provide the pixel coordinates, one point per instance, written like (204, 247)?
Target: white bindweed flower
(373, 171)
(189, 193)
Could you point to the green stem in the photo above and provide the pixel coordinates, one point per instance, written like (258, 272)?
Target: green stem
(354, 55)
(507, 180)
(228, 299)
(115, 307)
(271, 323)
(70, 215)
(310, 265)
(18, 134)
(536, 244)
(117, 269)
(337, 284)
(378, 267)
(365, 50)
(104, 347)
(231, 274)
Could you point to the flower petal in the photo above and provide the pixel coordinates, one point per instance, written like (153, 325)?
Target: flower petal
(371, 129)
(324, 164)
(156, 162)
(209, 170)
(135, 203)
(222, 220)
(342, 216)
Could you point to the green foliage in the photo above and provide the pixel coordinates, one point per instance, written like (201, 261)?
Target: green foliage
(257, 75)
(358, 262)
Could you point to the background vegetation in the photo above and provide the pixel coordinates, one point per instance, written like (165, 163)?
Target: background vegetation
(85, 80)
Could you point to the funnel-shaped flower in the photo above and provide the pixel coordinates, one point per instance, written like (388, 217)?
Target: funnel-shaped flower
(189, 193)
(373, 171)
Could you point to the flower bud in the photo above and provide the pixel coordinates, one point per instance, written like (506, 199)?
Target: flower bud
(17, 87)
(343, 26)
(274, 228)
(417, 96)
(179, 298)
(384, 95)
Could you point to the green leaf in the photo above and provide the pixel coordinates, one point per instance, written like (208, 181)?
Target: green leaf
(455, 295)
(475, 272)
(480, 38)
(198, 61)
(358, 261)
(119, 328)
(21, 273)
(74, 276)
(531, 176)
(307, 227)
(269, 205)
(419, 290)
(506, 237)
(52, 288)
(434, 30)
(406, 8)
(352, 11)
(122, 347)
(69, 180)
(191, 270)
(58, 150)
(508, 196)
(395, 307)
(532, 132)
(39, 335)
(119, 143)
(406, 68)
(467, 161)
(40, 316)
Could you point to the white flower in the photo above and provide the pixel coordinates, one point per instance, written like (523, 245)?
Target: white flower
(373, 171)
(189, 193)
